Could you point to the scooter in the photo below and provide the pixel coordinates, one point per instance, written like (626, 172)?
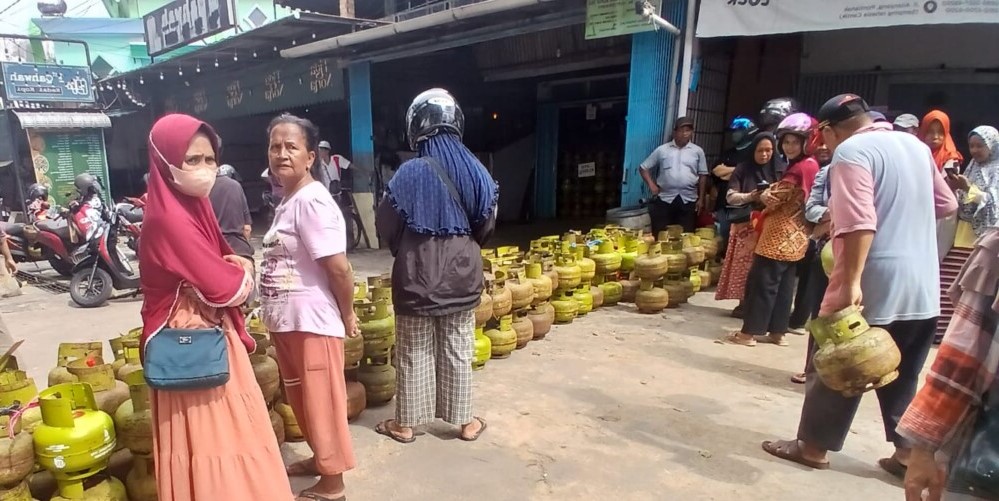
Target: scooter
(130, 211)
(104, 268)
(49, 240)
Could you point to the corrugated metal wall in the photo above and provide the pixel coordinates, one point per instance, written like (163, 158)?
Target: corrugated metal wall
(568, 43)
(706, 104)
(653, 71)
(815, 89)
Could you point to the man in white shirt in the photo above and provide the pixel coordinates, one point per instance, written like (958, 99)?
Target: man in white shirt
(676, 174)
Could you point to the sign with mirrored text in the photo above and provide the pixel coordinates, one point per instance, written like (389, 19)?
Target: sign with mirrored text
(181, 22)
(29, 82)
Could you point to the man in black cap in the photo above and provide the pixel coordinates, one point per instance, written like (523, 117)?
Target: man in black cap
(677, 175)
(885, 197)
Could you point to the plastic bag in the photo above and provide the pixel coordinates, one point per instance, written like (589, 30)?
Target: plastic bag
(9, 285)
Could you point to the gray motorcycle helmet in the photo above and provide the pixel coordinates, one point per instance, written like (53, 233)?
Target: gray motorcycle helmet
(226, 170)
(87, 184)
(431, 112)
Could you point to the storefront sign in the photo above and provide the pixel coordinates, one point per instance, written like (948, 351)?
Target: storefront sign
(293, 84)
(181, 22)
(47, 83)
(589, 169)
(720, 18)
(611, 18)
(60, 156)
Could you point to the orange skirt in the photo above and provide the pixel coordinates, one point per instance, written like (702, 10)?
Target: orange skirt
(218, 443)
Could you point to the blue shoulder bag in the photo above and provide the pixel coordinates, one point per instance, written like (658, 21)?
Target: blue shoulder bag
(186, 359)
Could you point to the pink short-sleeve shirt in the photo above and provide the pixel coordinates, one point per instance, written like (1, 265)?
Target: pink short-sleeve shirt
(294, 290)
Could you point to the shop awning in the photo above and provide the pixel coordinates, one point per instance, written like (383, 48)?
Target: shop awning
(63, 120)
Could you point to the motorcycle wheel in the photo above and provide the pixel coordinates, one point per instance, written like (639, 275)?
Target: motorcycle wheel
(61, 267)
(90, 293)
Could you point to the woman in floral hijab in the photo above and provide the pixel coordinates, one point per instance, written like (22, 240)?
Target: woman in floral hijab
(977, 195)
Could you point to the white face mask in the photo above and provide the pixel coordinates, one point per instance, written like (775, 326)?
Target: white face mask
(196, 183)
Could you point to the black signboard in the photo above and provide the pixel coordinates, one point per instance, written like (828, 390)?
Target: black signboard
(181, 22)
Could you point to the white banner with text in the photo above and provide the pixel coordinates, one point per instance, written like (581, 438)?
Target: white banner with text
(721, 18)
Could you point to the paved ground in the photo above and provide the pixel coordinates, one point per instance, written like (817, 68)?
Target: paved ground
(615, 405)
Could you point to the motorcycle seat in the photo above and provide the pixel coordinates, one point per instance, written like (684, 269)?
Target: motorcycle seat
(13, 229)
(59, 227)
(133, 215)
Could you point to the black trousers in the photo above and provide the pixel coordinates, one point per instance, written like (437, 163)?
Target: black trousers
(826, 415)
(769, 292)
(803, 301)
(814, 293)
(678, 212)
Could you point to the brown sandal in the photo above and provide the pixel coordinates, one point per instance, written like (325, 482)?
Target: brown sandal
(303, 468)
(315, 496)
(777, 339)
(893, 466)
(789, 450)
(799, 378)
(477, 434)
(733, 338)
(384, 429)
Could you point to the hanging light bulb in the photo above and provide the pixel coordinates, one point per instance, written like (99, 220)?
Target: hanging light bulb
(161, 75)
(235, 57)
(216, 62)
(180, 71)
(294, 42)
(197, 69)
(141, 81)
(254, 54)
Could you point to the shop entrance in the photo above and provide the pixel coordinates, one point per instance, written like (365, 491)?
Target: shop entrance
(590, 148)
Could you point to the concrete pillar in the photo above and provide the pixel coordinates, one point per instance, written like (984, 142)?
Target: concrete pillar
(362, 145)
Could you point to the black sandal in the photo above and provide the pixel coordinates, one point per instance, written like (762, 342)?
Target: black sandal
(383, 429)
(315, 496)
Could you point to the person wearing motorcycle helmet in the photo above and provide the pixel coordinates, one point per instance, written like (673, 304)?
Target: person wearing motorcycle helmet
(438, 209)
(38, 201)
(226, 170)
(783, 240)
(886, 195)
(740, 133)
(776, 110)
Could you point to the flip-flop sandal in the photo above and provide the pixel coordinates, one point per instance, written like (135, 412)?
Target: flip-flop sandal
(894, 467)
(799, 331)
(315, 496)
(477, 434)
(768, 339)
(731, 338)
(799, 378)
(302, 469)
(788, 450)
(383, 429)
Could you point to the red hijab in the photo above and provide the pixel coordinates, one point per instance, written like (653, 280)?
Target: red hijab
(948, 151)
(181, 239)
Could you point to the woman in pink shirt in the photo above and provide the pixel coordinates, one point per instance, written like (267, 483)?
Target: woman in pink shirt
(307, 287)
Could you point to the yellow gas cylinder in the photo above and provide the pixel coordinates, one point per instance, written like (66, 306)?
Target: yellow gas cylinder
(356, 400)
(19, 492)
(584, 298)
(502, 337)
(523, 327)
(69, 352)
(627, 246)
(104, 488)
(118, 351)
(377, 327)
(483, 350)
(569, 273)
(521, 288)
(566, 307)
(484, 311)
(598, 296)
(542, 283)
(277, 424)
(587, 267)
(653, 265)
(651, 299)
(607, 259)
(695, 280)
(542, 316)
(17, 455)
(360, 290)
(380, 288)
(548, 270)
(108, 391)
(612, 290)
(378, 378)
(265, 371)
(353, 352)
(75, 439)
(134, 419)
(16, 388)
(502, 297)
(292, 433)
(141, 480)
(132, 359)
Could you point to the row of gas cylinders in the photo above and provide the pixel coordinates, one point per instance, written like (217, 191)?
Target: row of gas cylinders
(561, 279)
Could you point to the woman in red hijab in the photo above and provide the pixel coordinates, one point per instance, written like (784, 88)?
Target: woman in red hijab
(214, 443)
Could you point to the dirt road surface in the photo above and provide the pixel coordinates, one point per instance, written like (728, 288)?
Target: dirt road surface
(616, 405)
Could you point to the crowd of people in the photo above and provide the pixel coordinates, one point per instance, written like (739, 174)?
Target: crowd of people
(212, 438)
(914, 239)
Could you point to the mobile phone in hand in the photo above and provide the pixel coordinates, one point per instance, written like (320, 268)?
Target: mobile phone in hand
(950, 170)
(762, 185)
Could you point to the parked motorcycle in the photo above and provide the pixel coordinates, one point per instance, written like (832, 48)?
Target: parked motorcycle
(48, 236)
(104, 268)
(130, 211)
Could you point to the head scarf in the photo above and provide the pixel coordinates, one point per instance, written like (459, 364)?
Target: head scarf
(948, 151)
(985, 176)
(748, 173)
(424, 202)
(181, 239)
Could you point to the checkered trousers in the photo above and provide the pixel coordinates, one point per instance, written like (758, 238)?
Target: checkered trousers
(434, 368)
